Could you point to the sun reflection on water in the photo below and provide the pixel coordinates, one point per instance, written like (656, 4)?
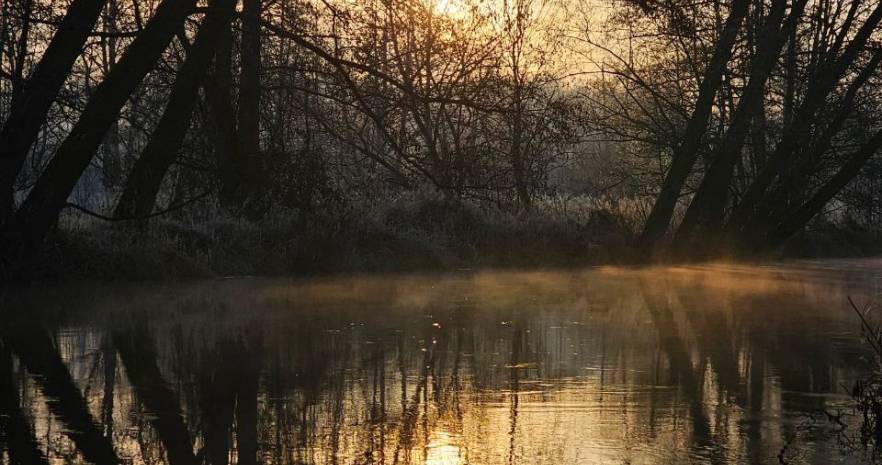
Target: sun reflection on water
(443, 449)
(701, 364)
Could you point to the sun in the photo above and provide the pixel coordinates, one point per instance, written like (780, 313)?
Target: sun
(451, 8)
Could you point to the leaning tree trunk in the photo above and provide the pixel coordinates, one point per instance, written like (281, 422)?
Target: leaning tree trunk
(142, 187)
(686, 152)
(744, 218)
(781, 200)
(32, 221)
(31, 105)
(792, 224)
(705, 212)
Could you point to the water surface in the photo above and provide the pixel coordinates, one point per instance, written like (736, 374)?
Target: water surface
(717, 364)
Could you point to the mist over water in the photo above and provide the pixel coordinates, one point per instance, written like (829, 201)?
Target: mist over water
(709, 364)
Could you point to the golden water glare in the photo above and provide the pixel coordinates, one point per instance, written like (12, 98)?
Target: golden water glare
(695, 364)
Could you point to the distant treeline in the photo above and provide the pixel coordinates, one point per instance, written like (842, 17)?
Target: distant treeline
(710, 126)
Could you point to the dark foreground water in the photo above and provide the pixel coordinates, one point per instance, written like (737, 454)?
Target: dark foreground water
(718, 364)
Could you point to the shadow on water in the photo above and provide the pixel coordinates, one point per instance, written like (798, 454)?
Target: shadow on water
(714, 364)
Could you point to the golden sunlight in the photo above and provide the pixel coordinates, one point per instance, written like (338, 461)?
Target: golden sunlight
(451, 8)
(443, 450)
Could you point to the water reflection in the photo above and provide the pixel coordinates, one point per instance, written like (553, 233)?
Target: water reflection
(714, 364)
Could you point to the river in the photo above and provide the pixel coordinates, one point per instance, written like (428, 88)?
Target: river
(716, 364)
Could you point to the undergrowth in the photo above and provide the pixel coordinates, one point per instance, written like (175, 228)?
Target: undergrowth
(417, 232)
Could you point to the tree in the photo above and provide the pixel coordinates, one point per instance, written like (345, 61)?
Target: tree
(748, 216)
(24, 234)
(139, 195)
(31, 103)
(686, 154)
(248, 116)
(706, 209)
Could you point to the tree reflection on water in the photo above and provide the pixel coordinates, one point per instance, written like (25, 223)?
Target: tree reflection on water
(715, 364)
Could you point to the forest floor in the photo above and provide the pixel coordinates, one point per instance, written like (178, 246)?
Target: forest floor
(399, 236)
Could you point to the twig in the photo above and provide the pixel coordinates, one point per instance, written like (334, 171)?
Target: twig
(873, 337)
(132, 218)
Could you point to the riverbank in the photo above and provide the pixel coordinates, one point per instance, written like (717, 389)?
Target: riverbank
(404, 235)
(415, 234)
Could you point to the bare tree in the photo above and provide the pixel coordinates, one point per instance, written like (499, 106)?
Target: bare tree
(24, 234)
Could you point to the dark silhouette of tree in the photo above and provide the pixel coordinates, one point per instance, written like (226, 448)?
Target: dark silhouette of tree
(707, 207)
(729, 124)
(248, 115)
(24, 234)
(799, 218)
(31, 104)
(687, 151)
(144, 182)
(748, 214)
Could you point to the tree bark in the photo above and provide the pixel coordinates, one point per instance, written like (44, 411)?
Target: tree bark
(31, 105)
(686, 152)
(517, 148)
(35, 217)
(145, 180)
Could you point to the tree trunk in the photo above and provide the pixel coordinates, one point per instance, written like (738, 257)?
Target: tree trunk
(219, 92)
(686, 152)
(35, 217)
(792, 224)
(248, 116)
(786, 196)
(705, 213)
(517, 149)
(144, 182)
(31, 105)
(819, 88)
(790, 71)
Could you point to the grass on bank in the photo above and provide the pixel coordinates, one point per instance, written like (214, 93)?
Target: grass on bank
(406, 234)
(410, 233)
